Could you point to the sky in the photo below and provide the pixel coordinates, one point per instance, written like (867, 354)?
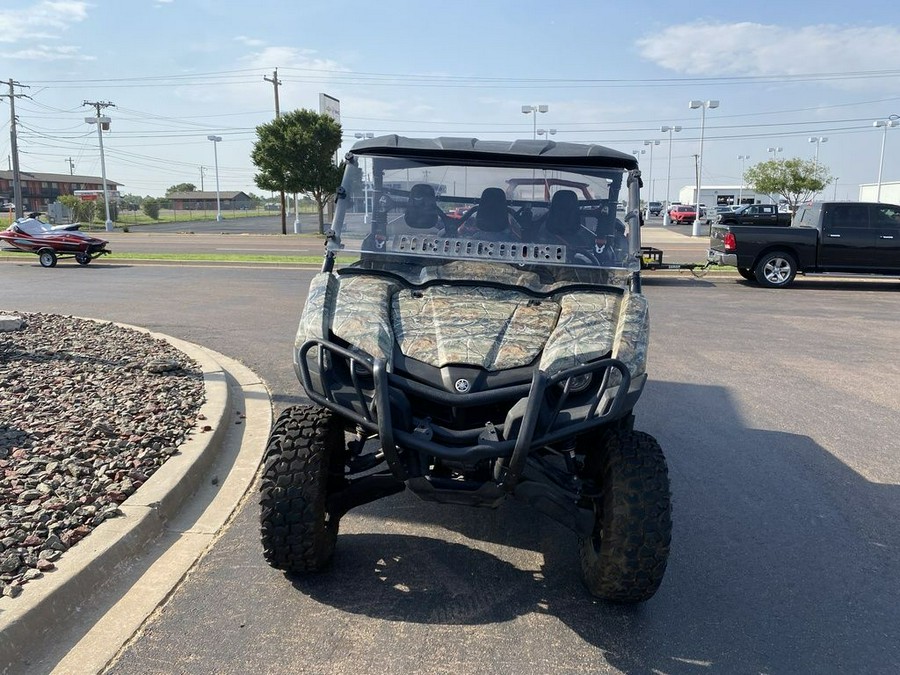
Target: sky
(177, 71)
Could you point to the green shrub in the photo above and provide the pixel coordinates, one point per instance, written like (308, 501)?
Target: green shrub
(150, 206)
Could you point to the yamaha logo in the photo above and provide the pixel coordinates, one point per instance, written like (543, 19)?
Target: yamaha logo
(462, 385)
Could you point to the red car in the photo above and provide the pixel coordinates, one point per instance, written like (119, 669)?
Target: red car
(685, 214)
(35, 236)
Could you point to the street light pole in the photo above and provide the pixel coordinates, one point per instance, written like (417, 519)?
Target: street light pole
(534, 110)
(774, 151)
(666, 128)
(650, 176)
(817, 140)
(886, 124)
(637, 154)
(743, 158)
(215, 141)
(366, 134)
(703, 105)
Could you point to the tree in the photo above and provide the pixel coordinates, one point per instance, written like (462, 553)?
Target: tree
(797, 180)
(150, 206)
(182, 187)
(295, 153)
(131, 202)
(71, 202)
(82, 211)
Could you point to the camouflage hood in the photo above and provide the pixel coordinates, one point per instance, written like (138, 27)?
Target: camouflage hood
(481, 326)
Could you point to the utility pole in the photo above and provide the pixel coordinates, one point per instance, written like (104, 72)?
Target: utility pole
(202, 172)
(71, 163)
(275, 82)
(102, 122)
(14, 147)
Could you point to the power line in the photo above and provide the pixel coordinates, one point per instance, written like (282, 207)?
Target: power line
(215, 79)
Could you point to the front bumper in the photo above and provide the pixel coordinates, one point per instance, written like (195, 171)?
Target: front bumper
(721, 258)
(542, 413)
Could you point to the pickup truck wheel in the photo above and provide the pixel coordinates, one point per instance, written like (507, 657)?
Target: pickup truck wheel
(747, 273)
(776, 269)
(303, 463)
(625, 557)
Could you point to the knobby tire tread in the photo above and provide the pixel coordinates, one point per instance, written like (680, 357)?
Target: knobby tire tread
(627, 562)
(303, 452)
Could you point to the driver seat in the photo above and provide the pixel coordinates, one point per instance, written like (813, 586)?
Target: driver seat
(564, 217)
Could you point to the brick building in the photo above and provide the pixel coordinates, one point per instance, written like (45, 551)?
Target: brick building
(206, 201)
(39, 190)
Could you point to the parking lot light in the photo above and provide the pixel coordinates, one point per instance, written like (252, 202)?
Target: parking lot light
(215, 141)
(360, 135)
(534, 110)
(668, 128)
(650, 175)
(818, 140)
(703, 105)
(885, 124)
(743, 158)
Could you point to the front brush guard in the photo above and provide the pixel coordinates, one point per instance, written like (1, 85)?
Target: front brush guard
(377, 410)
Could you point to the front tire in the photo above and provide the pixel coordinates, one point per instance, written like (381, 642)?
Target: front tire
(625, 557)
(304, 463)
(776, 269)
(47, 258)
(83, 258)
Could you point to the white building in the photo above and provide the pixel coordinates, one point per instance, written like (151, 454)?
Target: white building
(721, 195)
(890, 192)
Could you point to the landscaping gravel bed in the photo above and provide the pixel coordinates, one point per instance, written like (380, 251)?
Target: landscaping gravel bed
(88, 411)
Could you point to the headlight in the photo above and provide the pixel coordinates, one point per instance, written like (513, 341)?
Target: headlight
(578, 382)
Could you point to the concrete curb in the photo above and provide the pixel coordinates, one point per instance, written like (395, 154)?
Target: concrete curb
(32, 623)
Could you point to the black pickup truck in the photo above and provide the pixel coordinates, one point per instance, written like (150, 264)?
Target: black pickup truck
(837, 237)
(755, 214)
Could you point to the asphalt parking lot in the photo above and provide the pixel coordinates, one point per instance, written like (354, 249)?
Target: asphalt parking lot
(780, 420)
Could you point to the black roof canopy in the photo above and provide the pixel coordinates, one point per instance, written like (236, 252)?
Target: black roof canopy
(472, 151)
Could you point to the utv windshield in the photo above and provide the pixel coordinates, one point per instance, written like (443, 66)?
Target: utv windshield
(429, 212)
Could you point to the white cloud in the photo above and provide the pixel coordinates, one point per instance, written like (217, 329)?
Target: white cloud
(707, 48)
(289, 57)
(293, 65)
(41, 21)
(250, 42)
(45, 53)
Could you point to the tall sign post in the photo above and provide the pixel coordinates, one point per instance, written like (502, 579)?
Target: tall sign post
(329, 105)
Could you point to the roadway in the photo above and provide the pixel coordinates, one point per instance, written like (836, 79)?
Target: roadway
(779, 416)
(262, 236)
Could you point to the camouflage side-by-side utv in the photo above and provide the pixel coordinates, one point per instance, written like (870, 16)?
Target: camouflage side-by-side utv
(486, 339)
